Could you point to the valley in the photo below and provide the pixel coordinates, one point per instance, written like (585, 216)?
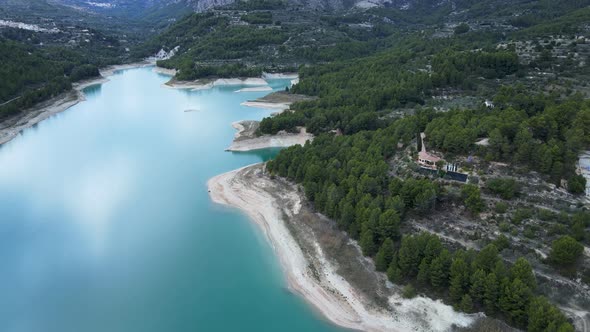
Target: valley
(439, 143)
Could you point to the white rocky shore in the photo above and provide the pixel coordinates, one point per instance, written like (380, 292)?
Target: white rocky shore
(255, 89)
(268, 204)
(208, 84)
(246, 140)
(268, 105)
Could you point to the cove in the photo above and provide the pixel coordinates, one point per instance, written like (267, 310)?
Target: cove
(106, 223)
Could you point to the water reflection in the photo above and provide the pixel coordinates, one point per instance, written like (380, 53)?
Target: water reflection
(106, 223)
(93, 90)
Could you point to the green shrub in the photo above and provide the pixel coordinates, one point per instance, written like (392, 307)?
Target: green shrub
(504, 187)
(501, 207)
(409, 292)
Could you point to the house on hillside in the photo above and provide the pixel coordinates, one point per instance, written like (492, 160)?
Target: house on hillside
(426, 159)
(428, 163)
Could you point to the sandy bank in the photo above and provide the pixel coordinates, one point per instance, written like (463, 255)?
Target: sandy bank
(11, 127)
(164, 71)
(279, 100)
(266, 105)
(255, 89)
(278, 209)
(274, 76)
(111, 70)
(246, 140)
(203, 84)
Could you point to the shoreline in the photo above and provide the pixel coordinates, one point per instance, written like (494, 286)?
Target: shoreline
(252, 84)
(204, 84)
(310, 273)
(267, 105)
(10, 128)
(246, 140)
(278, 100)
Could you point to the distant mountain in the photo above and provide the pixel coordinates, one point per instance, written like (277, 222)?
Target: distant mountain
(138, 8)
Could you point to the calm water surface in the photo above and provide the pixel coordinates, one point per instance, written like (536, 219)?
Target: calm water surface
(106, 224)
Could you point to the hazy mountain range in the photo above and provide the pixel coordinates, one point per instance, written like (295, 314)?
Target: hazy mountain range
(135, 7)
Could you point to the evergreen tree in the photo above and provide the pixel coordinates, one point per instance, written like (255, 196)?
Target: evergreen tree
(578, 230)
(487, 258)
(367, 243)
(409, 256)
(466, 304)
(433, 248)
(514, 300)
(394, 274)
(384, 256)
(440, 269)
(424, 272)
(478, 284)
(459, 279)
(491, 293)
(522, 270)
(543, 316)
(500, 270)
(523, 141)
(472, 198)
(576, 184)
(389, 224)
(565, 251)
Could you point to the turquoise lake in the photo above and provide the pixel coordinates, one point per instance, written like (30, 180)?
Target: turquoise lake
(106, 223)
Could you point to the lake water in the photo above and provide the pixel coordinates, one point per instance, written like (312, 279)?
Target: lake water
(106, 223)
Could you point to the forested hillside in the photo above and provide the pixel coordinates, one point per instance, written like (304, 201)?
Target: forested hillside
(348, 179)
(278, 35)
(361, 168)
(32, 75)
(46, 46)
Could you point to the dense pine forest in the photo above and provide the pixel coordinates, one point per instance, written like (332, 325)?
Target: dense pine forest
(31, 75)
(346, 171)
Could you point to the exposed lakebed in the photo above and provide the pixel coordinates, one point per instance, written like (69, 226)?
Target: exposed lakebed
(107, 224)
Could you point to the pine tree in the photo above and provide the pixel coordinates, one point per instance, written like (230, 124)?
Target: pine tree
(478, 283)
(409, 256)
(522, 270)
(424, 272)
(500, 270)
(523, 141)
(491, 293)
(389, 223)
(487, 258)
(384, 256)
(394, 274)
(433, 248)
(439, 269)
(543, 316)
(514, 300)
(459, 279)
(472, 198)
(466, 304)
(565, 251)
(537, 315)
(367, 243)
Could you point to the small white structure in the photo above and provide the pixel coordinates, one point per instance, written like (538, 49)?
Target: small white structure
(488, 104)
(584, 169)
